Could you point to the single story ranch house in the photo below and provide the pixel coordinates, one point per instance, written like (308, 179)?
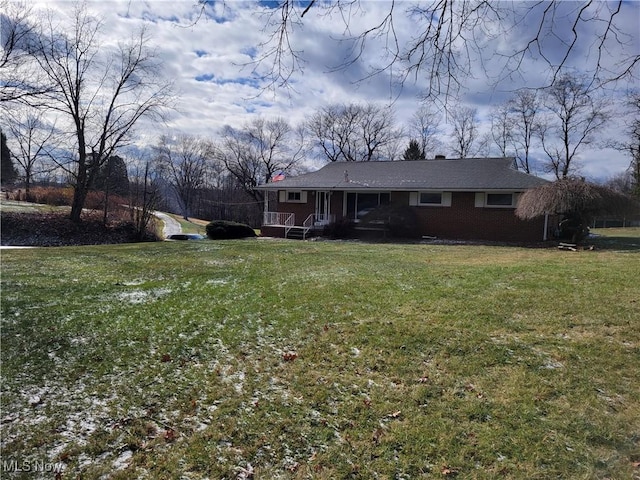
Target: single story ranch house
(471, 198)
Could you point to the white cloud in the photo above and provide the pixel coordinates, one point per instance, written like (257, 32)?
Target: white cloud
(208, 57)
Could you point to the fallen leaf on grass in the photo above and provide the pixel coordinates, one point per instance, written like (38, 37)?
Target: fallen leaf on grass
(635, 464)
(289, 356)
(395, 414)
(170, 435)
(449, 471)
(165, 358)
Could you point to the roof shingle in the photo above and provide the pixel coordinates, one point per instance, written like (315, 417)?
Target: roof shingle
(468, 174)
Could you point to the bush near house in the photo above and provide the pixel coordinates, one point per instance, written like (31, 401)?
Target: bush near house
(339, 229)
(398, 221)
(224, 230)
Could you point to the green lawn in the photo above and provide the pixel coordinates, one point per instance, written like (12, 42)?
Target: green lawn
(283, 359)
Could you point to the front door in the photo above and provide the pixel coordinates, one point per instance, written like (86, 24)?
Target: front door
(322, 208)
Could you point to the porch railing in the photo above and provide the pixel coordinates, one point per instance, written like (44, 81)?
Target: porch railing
(321, 219)
(279, 218)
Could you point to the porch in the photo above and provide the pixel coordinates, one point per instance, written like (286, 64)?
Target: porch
(287, 221)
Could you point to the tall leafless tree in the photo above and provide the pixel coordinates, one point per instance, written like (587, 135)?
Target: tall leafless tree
(524, 112)
(33, 141)
(501, 129)
(633, 143)
(630, 180)
(101, 92)
(144, 195)
(576, 116)
(465, 131)
(425, 127)
(185, 161)
(355, 132)
(254, 153)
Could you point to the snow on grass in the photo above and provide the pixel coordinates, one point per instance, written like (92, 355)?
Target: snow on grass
(142, 296)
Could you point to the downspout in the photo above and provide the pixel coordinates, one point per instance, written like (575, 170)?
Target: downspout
(266, 207)
(545, 235)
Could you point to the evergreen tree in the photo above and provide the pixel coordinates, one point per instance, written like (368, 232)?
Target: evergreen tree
(8, 171)
(413, 151)
(112, 176)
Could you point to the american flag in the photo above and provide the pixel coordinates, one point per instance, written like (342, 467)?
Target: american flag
(277, 176)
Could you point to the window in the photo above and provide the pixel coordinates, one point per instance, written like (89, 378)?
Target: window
(430, 198)
(359, 204)
(499, 199)
(292, 196)
(496, 199)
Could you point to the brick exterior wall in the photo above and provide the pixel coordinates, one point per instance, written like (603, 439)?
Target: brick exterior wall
(462, 220)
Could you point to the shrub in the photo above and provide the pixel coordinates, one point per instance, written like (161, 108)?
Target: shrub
(341, 228)
(222, 230)
(57, 196)
(398, 220)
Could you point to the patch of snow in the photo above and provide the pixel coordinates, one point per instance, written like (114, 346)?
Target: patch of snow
(142, 296)
(123, 459)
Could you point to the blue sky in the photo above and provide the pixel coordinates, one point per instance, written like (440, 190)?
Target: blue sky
(210, 58)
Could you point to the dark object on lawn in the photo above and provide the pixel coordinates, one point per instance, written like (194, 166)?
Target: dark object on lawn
(186, 236)
(223, 230)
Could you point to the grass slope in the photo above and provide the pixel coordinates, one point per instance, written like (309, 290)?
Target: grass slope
(280, 359)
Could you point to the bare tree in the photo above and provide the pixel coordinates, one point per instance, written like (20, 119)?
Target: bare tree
(185, 161)
(465, 131)
(33, 141)
(355, 133)
(18, 36)
(501, 129)
(425, 127)
(453, 36)
(102, 94)
(630, 180)
(524, 112)
(255, 152)
(144, 196)
(633, 144)
(576, 116)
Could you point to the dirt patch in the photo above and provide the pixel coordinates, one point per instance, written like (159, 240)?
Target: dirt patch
(55, 229)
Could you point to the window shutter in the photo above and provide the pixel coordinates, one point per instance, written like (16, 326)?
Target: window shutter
(413, 199)
(446, 199)
(479, 199)
(303, 196)
(282, 196)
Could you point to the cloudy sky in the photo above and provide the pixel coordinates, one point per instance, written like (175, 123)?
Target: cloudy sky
(210, 54)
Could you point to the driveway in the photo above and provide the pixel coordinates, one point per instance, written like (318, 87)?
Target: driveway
(171, 225)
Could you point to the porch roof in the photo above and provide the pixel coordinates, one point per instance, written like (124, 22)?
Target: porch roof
(468, 174)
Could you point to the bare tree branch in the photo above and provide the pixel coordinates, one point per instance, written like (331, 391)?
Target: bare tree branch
(453, 36)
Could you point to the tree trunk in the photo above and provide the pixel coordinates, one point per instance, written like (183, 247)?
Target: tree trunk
(79, 193)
